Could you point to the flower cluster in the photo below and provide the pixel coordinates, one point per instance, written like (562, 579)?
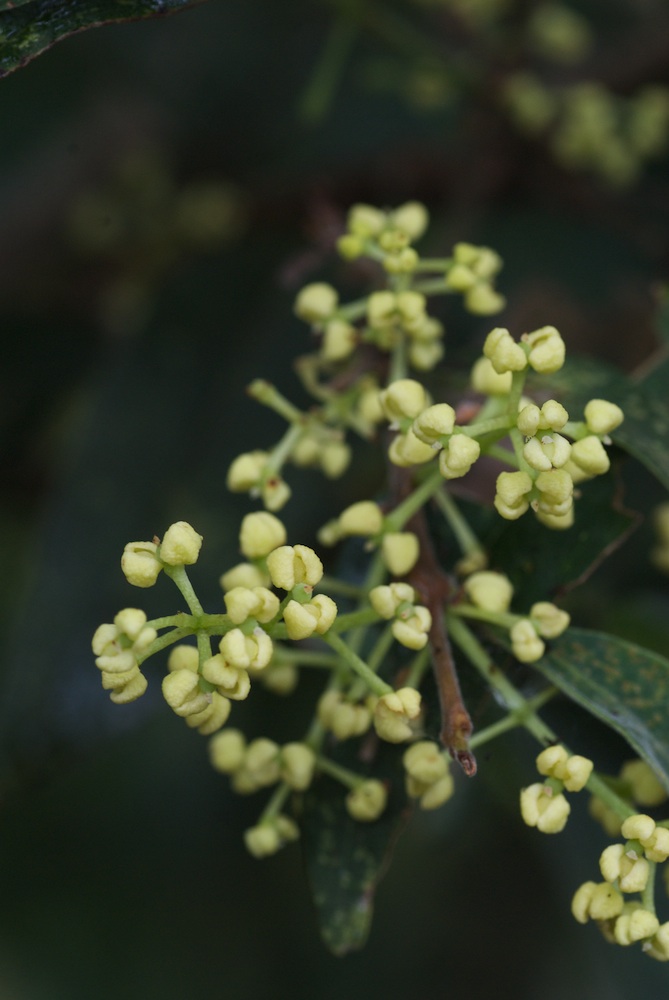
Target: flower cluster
(544, 804)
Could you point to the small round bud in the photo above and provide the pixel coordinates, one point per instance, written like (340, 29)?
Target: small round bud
(211, 718)
(488, 590)
(458, 456)
(635, 926)
(292, 564)
(602, 417)
(412, 218)
(362, 518)
(316, 302)
(485, 379)
(227, 750)
(400, 551)
(540, 808)
(403, 398)
(131, 691)
(482, 300)
(425, 762)
(511, 497)
(549, 620)
(233, 682)
(244, 575)
(263, 840)
(412, 631)
(130, 622)
(260, 533)
(140, 564)
(394, 712)
(183, 657)
(528, 419)
(302, 620)
(182, 692)
(638, 827)
(339, 340)
(335, 459)
(366, 802)
(386, 599)
(589, 455)
(551, 758)
(526, 644)
(181, 545)
(365, 221)
(434, 423)
(503, 352)
(643, 783)
(297, 765)
(547, 350)
(246, 471)
(407, 449)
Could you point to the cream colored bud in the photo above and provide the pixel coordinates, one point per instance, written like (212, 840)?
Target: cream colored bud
(260, 532)
(181, 545)
(281, 678)
(240, 604)
(386, 599)
(104, 639)
(425, 762)
(289, 565)
(246, 470)
(547, 452)
(262, 761)
(400, 551)
(407, 449)
(297, 765)
(130, 691)
(365, 220)
(362, 518)
(458, 456)
(643, 783)
(549, 620)
(183, 657)
(412, 218)
(441, 791)
(488, 590)
(315, 302)
(118, 661)
(609, 861)
(335, 459)
(434, 422)
(606, 902)
(213, 717)
(233, 682)
(302, 620)
(539, 807)
(526, 644)
(511, 497)
(482, 300)
(339, 340)
(411, 307)
(263, 840)
(140, 564)
(227, 750)
(550, 759)
(553, 415)
(182, 692)
(403, 398)
(658, 946)
(556, 489)
(656, 848)
(547, 349)
(633, 875)
(275, 493)
(602, 417)
(558, 522)
(576, 773)
(369, 405)
(366, 802)
(350, 247)
(243, 575)
(413, 630)
(580, 904)
(112, 681)
(590, 456)
(460, 278)
(485, 379)
(381, 308)
(528, 419)
(394, 712)
(503, 352)
(635, 926)
(638, 827)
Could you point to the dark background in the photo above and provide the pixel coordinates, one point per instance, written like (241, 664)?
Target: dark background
(126, 346)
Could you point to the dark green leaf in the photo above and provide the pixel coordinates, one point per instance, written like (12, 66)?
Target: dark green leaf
(624, 685)
(28, 28)
(645, 431)
(662, 315)
(345, 859)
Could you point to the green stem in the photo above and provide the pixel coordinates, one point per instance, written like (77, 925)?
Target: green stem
(180, 577)
(517, 442)
(501, 618)
(417, 669)
(502, 455)
(327, 74)
(341, 774)
(354, 619)
(465, 537)
(267, 394)
(281, 451)
(483, 427)
(648, 894)
(333, 585)
(305, 658)
(163, 641)
(512, 720)
(515, 392)
(413, 503)
(275, 804)
(374, 683)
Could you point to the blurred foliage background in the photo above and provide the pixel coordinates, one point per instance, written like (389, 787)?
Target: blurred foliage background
(165, 189)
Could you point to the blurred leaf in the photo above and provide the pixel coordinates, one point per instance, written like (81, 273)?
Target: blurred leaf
(662, 316)
(346, 859)
(624, 685)
(645, 431)
(27, 29)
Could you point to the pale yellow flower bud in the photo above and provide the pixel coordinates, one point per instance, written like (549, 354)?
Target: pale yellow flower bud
(281, 678)
(315, 302)
(539, 807)
(247, 651)
(602, 417)
(289, 565)
(297, 763)
(576, 773)
(183, 657)
(525, 643)
(589, 455)
(246, 470)
(609, 861)
(458, 456)
(553, 415)
(182, 692)
(366, 802)
(335, 459)
(260, 532)
(644, 785)
(434, 422)
(365, 220)
(369, 405)
(131, 691)
(482, 300)
(394, 712)
(460, 278)
(381, 308)
(550, 758)
(362, 518)
(485, 379)
(400, 551)
(275, 493)
(658, 946)
(503, 352)
(181, 545)
(556, 489)
(547, 452)
(339, 340)
(262, 761)
(412, 218)
(547, 349)
(425, 762)
(244, 575)
(242, 603)
(596, 901)
(635, 926)
(435, 795)
(549, 620)
(413, 630)
(227, 750)
(411, 307)
(112, 681)
(386, 599)
(407, 449)
(488, 590)
(302, 620)
(263, 840)
(558, 522)
(211, 718)
(130, 622)
(638, 827)
(528, 419)
(403, 398)
(140, 564)
(233, 682)
(511, 497)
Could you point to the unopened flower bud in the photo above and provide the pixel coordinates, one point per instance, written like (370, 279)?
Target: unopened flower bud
(366, 802)
(503, 352)
(316, 302)
(260, 532)
(590, 456)
(297, 765)
(488, 590)
(226, 751)
(362, 518)
(412, 218)
(511, 497)
(339, 340)
(183, 657)
(549, 620)
(540, 808)
(400, 551)
(181, 545)
(413, 630)
(403, 398)
(458, 456)
(602, 417)
(140, 563)
(394, 712)
(485, 379)
(547, 350)
(387, 598)
(246, 470)
(289, 565)
(434, 422)
(526, 644)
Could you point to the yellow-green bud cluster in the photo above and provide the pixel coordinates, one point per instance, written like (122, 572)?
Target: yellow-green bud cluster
(411, 621)
(428, 777)
(544, 805)
(118, 648)
(472, 272)
(141, 562)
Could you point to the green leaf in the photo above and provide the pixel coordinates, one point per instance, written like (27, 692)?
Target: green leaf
(624, 685)
(29, 28)
(645, 403)
(345, 859)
